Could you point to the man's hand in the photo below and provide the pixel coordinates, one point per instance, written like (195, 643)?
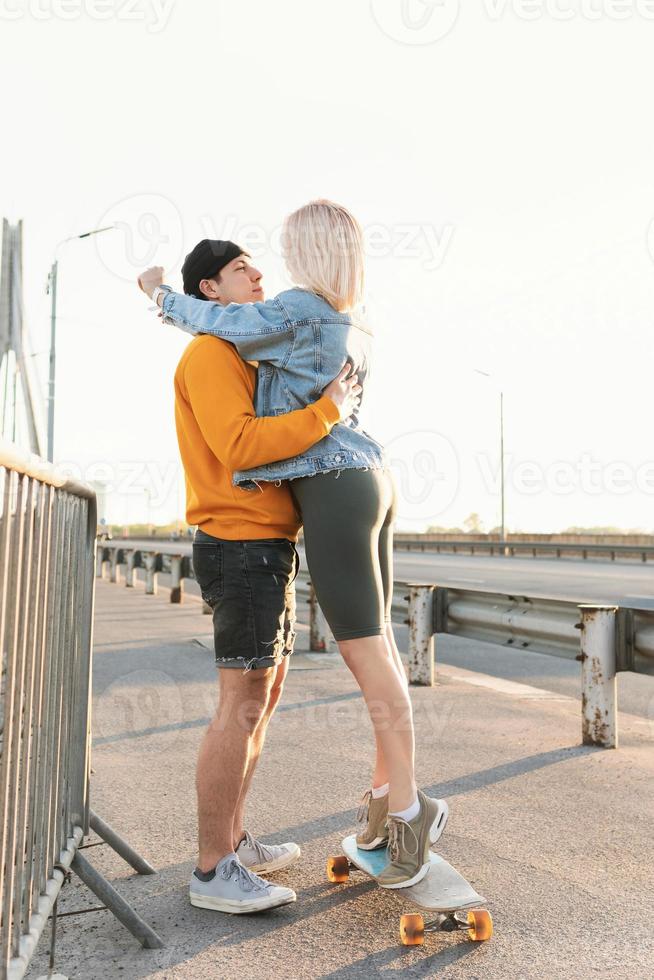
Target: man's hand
(345, 392)
(150, 279)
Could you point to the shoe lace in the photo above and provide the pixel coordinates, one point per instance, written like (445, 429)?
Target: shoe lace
(397, 830)
(246, 879)
(262, 852)
(364, 807)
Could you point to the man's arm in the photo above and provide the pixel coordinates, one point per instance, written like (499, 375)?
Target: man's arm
(216, 386)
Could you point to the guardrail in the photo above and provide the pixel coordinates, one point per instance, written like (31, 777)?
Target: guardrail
(605, 639)
(118, 562)
(47, 548)
(511, 549)
(533, 548)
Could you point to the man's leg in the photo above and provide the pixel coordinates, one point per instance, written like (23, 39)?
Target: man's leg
(223, 759)
(256, 744)
(248, 584)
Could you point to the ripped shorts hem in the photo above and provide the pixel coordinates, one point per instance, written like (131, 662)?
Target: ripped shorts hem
(247, 664)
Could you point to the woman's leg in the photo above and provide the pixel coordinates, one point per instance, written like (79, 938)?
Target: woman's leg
(344, 516)
(380, 774)
(372, 664)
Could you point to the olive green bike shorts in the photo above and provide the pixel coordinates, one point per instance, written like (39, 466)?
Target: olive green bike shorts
(348, 537)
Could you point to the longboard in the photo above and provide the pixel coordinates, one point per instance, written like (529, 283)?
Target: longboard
(443, 892)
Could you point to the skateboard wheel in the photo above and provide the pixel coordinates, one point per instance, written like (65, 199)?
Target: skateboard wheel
(412, 930)
(481, 925)
(338, 869)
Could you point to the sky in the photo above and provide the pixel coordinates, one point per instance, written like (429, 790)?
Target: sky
(500, 157)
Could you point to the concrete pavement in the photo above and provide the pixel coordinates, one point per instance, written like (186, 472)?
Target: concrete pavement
(556, 836)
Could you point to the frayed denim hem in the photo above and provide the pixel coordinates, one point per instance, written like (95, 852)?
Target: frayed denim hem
(282, 645)
(253, 663)
(254, 484)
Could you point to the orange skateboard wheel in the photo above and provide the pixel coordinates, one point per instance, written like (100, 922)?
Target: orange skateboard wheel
(412, 930)
(338, 869)
(481, 925)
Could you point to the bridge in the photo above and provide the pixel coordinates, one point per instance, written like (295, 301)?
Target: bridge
(531, 666)
(547, 805)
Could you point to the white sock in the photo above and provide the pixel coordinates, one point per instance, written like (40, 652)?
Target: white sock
(379, 791)
(410, 813)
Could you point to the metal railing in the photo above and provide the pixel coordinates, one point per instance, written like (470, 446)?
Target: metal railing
(604, 639)
(47, 552)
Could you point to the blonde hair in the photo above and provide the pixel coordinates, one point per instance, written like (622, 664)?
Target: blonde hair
(323, 249)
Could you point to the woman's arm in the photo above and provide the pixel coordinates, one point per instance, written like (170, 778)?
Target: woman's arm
(214, 382)
(257, 330)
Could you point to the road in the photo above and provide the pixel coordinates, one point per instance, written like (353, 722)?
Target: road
(627, 583)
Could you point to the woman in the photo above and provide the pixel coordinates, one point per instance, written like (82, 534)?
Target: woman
(345, 491)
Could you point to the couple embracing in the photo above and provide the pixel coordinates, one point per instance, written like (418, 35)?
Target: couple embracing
(266, 401)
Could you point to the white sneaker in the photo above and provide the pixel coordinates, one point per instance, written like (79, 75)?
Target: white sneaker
(265, 857)
(234, 888)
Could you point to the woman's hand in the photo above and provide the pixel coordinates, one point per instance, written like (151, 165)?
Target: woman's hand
(150, 279)
(345, 392)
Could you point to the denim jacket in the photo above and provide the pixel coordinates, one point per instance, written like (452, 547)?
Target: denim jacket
(301, 343)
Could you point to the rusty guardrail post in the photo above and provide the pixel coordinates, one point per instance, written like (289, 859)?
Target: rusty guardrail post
(177, 583)
(319, 632)
(114, 566)
(598, 675)
(150, 573)
(130, 569)
(100, 563)
(421, 634)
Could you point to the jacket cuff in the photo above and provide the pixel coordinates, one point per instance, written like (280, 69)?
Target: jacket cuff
(326, 411)
(167, 304)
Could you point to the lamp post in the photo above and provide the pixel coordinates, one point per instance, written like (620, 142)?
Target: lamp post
(52, 290)
(148, 498)
(502, 526)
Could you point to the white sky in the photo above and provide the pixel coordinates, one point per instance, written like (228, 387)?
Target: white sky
(505, 175)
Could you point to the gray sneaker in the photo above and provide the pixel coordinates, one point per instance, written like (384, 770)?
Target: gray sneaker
(409, 843)
(375, 813)
(264, 858)
(233, 888)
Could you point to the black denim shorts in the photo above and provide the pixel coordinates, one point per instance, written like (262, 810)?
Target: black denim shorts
(250, 586)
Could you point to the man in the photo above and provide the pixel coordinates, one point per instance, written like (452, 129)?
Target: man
(245, 561)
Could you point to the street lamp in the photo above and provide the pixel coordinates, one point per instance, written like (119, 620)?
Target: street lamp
(52, 290)
(487, 375)
(148, 497)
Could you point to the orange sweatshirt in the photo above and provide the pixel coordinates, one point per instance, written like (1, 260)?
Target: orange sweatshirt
(218, 432)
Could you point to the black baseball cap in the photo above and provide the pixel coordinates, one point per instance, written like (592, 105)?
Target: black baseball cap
(205, 261)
